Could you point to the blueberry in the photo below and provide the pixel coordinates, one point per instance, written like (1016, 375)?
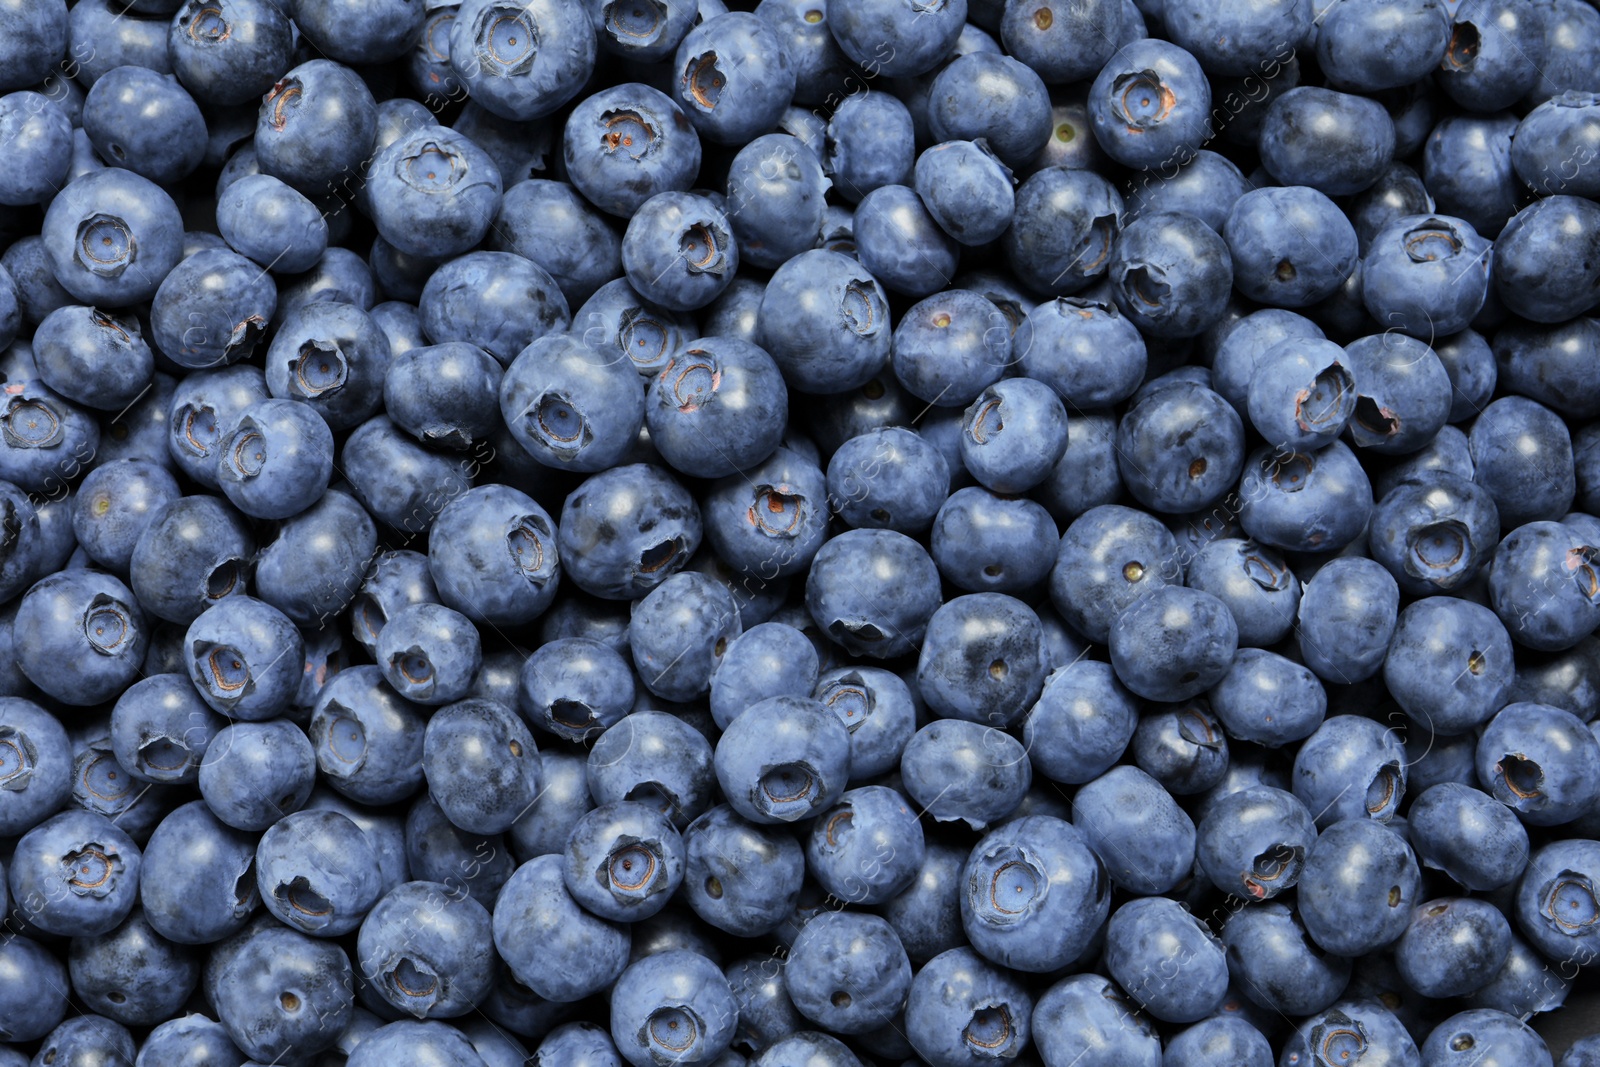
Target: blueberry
(201, 884)
(1109, 558)
(245, 658)
(1033, 895)
(1149, 942)
(548, 942)
(869, 143)
(93, 358)
(1305, 502)
(784, 759)
(1556, 896)
(1228, 1038)
(982, 659)
(1348, 46)
(1276, 966)
(1362, 1029)
(897, 39)
(1088, 351)
(75, 874)
(731, 102)
(966, 189)
(1254, 581)
(481, 765)
(657, 759)
(672, 1005)
(1085, 1019)
(1336, 143)
(1352, 767)
(1173, 644)
(995, 97)
(426, 950)
(1149, 104)
(902, 244)
(867, 848)
(80, 636)
(1081, 724)
(42, 137)
(1252, 843)
(1427, 675)
(522, 62)
(1170, 274)
(848, 972)
(1543, 586)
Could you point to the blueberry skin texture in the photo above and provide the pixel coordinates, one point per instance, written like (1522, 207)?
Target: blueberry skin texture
(1452, 946)
(426, 951)
(1219, 1039)
(367, 738)
(1238, 37)
(41, 136)
(1166, 959)
(583, 1044)
(549, 943)
(1063, 231)
(1379, 1036)
(189, 1040)
(1081, 724)
(1351, 768)
(280, 993)
(145, 122)
(1170, 274)
(1495, 1036)
(1450, 664)
(160, 729)
(199, 882)
(1522, 454)
(36, 39)
(1252, 843)
(1268, 699)
(1359, 45)
(430, 1042)
(902, 245)
(853, 954)
(1357, 887)
(888, 478)
(277, 460)
(493, 556)
(1563, 878)
(37, 1000)
(445, 395)
(662, 993)
(316, 128)
(679, 250)
(1047, 865)
(1109, 558)
(784, 759)
(391, 33)
(626, 143)
(481, 765)
(570, 407)
(1274, 964)
(1238, 350)
(1462, 831)
(203, 407)
(320, 872)
(995, 97)
(869, 143)
(57, 896)
(982, 659)
(1291, 247)
(877, 709)
(1150, 103)
(1180, 448)
(498, 301)
(1254, 582)
(1542, 586)
(617, 322)
(608, 549)
(732, 103)
(1018, 460)
(80, 637)
(1145, 841)
(1559, 134)
(1567, 228)
(739, 877)
(767, 523)
(1086, 350)
(1425, 274)
(962, 1010)
(549, 223)
(133, 228)
(1085, 1019)
(873, 592)
(895, 39)
(577, 687)
(1546, 364)
(1173, 644)
(212, 310)
(272, 224)
(677, 631)
(867, 848)
(421, 213)
(552, 59)
(254, 773)
(951, 346)
(44, 440)
(1434, 532)
(775, 195)
(245, 658)
(1348, 613)
(1065, 44)
(1337, 143)
(1403, 394)
(1206, 186)
(333, 357)
(1305, 502)
(719, 406)
(563, 799)
(232, 56)
(88, 1039)
(429, 654)
(399, 482)
(966, 190)
(436, 850)
(1541, 762)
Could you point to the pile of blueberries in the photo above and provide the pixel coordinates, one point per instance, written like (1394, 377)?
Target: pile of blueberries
(942, 533)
